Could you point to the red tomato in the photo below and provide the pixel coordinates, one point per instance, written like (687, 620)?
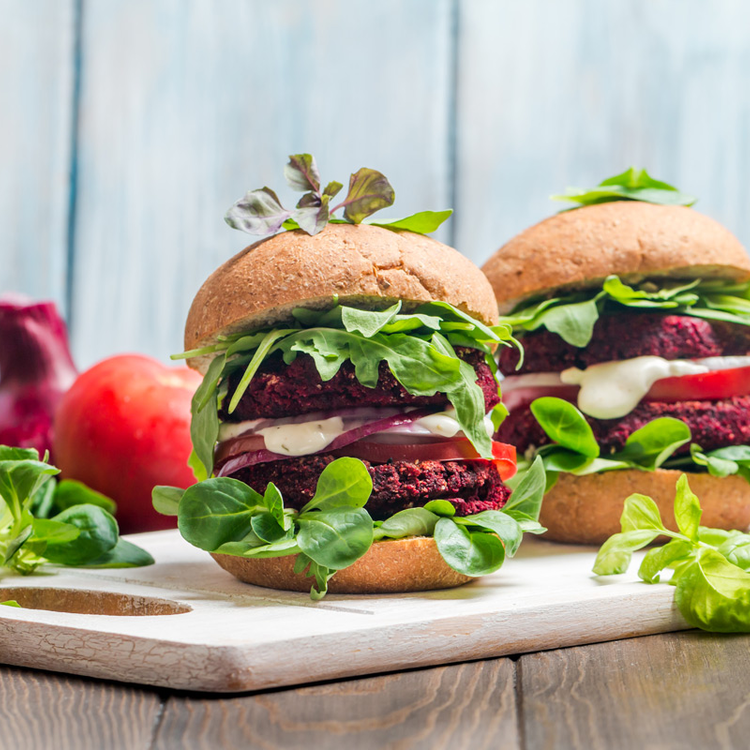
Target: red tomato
(123, 427)
(707, 385)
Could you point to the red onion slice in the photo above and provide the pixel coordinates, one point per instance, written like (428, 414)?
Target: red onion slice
(229, 461)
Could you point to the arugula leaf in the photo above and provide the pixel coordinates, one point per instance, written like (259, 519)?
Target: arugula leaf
(574, 316)
(422, 222)
(10, 603)
(633, 184)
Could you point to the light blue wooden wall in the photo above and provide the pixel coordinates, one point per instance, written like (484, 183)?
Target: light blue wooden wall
(127, 127)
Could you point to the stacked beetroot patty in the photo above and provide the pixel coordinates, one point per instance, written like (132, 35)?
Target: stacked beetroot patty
(279, 390)
(713, 423)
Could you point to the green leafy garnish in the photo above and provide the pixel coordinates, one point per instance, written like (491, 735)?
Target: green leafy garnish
(64, 523)
(573, 316)
(333, 530)
(418, 348)
(632, 185)
(710, 565)
(260, 211)
(574, 448)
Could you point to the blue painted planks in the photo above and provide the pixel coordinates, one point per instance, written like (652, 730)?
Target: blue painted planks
(187, 104)
(36, 98)
(556, 94)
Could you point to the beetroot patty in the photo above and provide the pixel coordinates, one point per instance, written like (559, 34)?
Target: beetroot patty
(713, 424)
(280, 390)
(629, 335)
(471, 486)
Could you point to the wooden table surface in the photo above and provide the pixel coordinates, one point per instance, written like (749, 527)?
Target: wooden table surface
(679, 690)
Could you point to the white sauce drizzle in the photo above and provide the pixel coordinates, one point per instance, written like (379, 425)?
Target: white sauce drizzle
(613, 389)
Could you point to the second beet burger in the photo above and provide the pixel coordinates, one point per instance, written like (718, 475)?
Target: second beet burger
(635, 323)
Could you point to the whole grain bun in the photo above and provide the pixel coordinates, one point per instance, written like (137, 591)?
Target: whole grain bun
(390, 566)
(587, 509)
(580, 248)
(261, 286)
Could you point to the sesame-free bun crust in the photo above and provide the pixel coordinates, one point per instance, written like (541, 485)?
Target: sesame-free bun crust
(579, 248)
(361, 264)
(587, 509)
(390, 566)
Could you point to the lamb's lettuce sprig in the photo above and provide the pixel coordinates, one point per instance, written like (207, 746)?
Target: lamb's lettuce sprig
(573, 316)
(710, 566)
(574, 448)
(418, 348)
(333, 530)
(65, 523)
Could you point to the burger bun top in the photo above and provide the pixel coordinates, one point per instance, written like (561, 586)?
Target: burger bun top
(579, 248)
(360, 264)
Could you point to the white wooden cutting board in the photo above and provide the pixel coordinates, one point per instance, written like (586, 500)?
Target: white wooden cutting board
(236, 637)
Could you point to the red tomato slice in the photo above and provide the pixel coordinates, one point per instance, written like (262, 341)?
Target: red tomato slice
(705, 386)
(455, 449)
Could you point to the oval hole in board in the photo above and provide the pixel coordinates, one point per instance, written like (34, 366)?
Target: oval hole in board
(83, 602)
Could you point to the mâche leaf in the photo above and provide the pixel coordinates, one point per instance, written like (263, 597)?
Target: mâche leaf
(634, 185)
(334, 530)
(42, 520)
(712, 586)
(473, 553)
(565, 425)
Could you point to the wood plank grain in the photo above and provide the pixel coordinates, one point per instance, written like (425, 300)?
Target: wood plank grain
(42, 710)
(36, 97)
(465, 706)
(668, 691)
(556, 94)
(184, 107)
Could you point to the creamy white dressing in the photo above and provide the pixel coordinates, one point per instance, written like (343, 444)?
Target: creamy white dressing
(303, 438)
(613, 389)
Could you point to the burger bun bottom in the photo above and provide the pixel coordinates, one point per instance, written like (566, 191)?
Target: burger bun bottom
(390, 566)
(587, 509)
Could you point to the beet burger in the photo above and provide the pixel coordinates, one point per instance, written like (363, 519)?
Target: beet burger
(347, 406)
(635, 322)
